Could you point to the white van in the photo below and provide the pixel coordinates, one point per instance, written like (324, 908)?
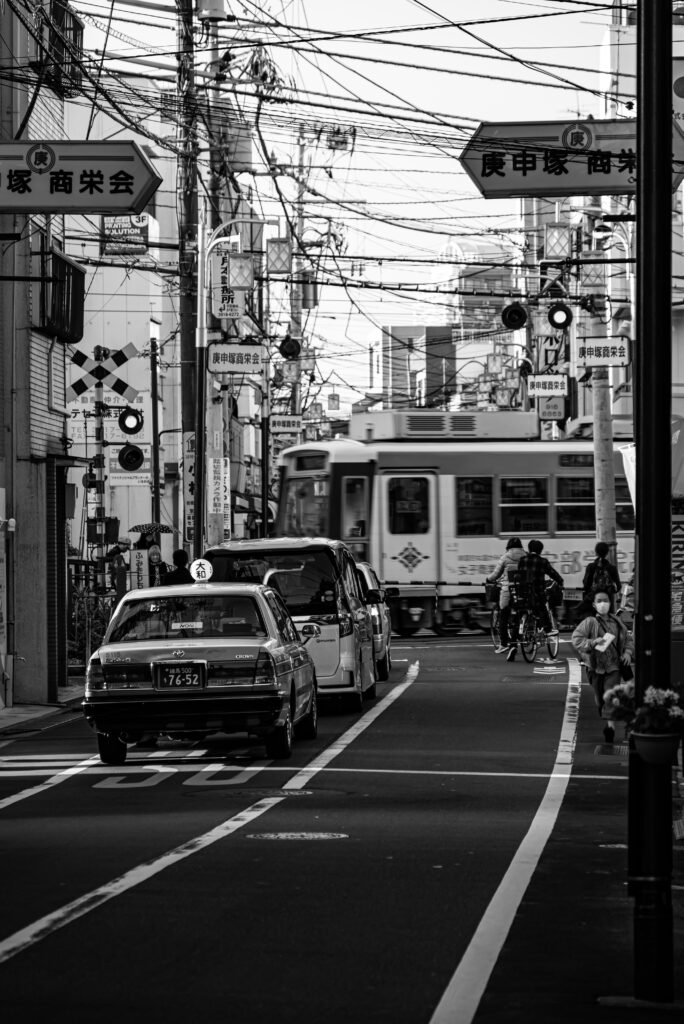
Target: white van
(318, 581)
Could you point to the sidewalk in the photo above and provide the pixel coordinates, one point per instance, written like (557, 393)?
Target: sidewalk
(20, 714)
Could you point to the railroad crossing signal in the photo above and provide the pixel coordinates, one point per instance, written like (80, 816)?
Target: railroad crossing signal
(102, 372)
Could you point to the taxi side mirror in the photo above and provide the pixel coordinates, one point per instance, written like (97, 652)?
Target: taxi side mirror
(373, 597)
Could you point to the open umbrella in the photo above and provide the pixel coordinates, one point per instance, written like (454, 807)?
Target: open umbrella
(150, 528)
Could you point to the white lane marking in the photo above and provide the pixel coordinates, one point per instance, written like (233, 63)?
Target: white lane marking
(467, 986)
(45, 926)
(203, 777)
(54, 780)
(159, 773)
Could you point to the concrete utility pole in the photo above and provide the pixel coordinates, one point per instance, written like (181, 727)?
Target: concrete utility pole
(604, 456)
(297, 270)
(187, 242)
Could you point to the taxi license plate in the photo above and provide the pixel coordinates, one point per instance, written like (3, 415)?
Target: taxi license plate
(180, 677)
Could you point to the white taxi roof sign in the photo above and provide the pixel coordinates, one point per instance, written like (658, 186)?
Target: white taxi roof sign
(201, 570)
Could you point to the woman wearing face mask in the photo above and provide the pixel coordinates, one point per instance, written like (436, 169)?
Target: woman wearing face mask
(606, 647)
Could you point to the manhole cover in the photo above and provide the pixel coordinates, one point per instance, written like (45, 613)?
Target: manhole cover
(612, 749)
(306, 836)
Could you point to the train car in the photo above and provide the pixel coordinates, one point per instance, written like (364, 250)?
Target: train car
(433, 514)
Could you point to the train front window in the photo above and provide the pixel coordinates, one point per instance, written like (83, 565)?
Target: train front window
(524, 505)
(306, 507)
(409, 504)
(575, 504)
(474, 513)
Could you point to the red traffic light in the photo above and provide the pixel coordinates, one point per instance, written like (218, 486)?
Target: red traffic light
(130, 421)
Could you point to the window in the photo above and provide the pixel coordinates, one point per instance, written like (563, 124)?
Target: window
(354, 506)
(474, 514)
(59, 288)
(524, 505)
(409, 505)
(284, 623)
(624, 510)
(60, 51)
(575, 504)
(306, 507)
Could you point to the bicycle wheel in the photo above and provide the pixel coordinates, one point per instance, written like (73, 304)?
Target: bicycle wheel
(552, 641)
(494, 626)
(528, 637)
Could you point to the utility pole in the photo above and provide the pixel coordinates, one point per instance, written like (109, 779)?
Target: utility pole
(298, 267)
(100, 354)
(604, 453)
(187, 245)
(154, 399)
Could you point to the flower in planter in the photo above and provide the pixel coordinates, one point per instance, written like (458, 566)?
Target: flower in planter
(660, 713)
(619, 704)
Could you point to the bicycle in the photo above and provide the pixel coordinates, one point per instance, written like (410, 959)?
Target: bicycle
(492, 593)
(532, 633)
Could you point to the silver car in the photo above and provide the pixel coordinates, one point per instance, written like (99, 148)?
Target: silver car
(194, 659)
(380, 614)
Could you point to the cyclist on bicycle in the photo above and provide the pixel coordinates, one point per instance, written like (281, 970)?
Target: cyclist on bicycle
(533, 570)
(508, 563)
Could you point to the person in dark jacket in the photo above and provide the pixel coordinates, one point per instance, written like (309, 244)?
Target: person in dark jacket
(601, 574)
(533, 571)
(180, 573)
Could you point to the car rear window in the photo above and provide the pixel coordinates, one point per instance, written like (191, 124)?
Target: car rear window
(307, 581)
(170, 618)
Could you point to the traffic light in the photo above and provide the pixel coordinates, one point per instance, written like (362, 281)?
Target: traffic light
(289, 347)
(514, 316)
(131, 457)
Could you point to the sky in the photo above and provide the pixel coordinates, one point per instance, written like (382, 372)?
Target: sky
(405, 83)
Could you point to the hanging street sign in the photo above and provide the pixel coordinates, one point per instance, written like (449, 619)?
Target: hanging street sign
(75, 177)
(284, 424)
(541, 385)
(559, 158)
(606, 351)
(224, 357)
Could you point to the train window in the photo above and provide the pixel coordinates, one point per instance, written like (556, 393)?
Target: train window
(575, 504)
(624, 510)
(524, 505)
(474, 512)
(409, 504)
(354, 506)
(306, 503)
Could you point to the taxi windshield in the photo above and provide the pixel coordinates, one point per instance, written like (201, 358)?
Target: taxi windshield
(172, 618)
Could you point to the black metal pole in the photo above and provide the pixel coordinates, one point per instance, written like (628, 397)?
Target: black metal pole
(154, 398)
(650, 793)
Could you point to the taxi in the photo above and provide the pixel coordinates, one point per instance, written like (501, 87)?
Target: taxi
(194, 659)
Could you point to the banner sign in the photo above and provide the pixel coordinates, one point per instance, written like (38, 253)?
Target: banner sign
(540, 385)
(285, 424)
(227, 357)
(614, 351)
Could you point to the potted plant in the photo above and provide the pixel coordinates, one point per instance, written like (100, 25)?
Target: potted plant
(657, 726)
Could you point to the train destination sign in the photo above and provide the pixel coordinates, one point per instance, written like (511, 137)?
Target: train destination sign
(75, 177)
(559, 158)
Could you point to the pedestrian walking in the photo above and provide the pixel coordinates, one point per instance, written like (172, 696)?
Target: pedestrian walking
(508, 563)
(180, 573)
(606, 648)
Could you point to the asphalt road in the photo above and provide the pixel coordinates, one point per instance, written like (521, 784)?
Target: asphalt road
(344, 885)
